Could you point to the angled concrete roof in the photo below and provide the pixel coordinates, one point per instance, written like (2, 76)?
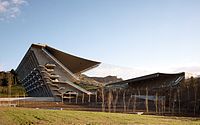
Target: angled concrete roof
(51, 71)
(74, 63)
(147, 77)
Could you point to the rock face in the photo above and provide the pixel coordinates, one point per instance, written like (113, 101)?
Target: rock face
(95, 82)
(107, 79)
(84, 79)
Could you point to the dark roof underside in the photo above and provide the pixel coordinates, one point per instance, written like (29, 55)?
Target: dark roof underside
(73, 63)
(148, 77)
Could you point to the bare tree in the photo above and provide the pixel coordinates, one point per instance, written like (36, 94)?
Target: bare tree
(110, 99)
(174, 100)
(76, 98)
(134, 103)
(146, 102)
(129, 100)
(156, 102)
(195, 98)
(115, 101)
(179, 101)
(96, 97)
(103, 101)
(170, 98)
(83, 98)
(124, 100)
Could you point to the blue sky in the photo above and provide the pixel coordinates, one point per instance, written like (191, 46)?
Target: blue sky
(153, 35)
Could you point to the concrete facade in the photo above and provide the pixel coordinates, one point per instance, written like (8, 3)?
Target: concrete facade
(48, 72)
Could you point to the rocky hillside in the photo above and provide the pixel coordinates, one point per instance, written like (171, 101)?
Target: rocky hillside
(107, 79)
(95, 82)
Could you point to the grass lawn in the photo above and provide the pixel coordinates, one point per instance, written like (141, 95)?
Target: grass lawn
(24, 116)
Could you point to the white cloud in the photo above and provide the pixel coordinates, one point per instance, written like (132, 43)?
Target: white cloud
(3, 6)
(10, 8)
(19, 2)
(191, 70)
(119, 71)
(127, 73)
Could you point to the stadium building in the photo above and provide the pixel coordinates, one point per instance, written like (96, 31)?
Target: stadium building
(153, 92)
(47, 72)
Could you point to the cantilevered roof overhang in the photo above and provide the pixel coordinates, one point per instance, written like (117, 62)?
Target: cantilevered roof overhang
(74, 63)
(155, 76)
